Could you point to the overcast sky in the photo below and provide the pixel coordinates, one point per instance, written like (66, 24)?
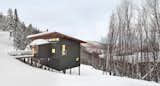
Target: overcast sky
(84, 19)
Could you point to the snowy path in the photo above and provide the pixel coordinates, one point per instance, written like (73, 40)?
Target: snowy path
(15, 73)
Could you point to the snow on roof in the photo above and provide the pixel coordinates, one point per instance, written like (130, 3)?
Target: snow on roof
(39, 42)
(39, 34)
(48, 35)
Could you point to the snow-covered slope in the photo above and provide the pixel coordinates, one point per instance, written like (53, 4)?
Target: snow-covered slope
(15, 73)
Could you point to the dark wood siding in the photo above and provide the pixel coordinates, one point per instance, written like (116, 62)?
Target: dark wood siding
(57, 60)
(44, 51)
(60, 62)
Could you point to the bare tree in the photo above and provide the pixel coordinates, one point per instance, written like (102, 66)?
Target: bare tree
(135, 32)
(112, 37)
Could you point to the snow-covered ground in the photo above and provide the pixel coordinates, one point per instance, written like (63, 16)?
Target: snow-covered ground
(15, 73)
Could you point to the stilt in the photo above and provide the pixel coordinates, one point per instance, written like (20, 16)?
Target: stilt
(28, 60)
(45, 67)
(70, 71)
(79, 70)
(31, 62)
(64, 71)
(24, 60)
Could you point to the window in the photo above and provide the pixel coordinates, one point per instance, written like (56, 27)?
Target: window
(34, 50)
(77, 59)
(53, 50)
(54, 40)
(64, 51)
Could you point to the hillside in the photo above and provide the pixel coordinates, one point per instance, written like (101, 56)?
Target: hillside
(15, 73)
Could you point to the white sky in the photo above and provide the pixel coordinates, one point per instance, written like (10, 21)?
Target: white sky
(84, 19)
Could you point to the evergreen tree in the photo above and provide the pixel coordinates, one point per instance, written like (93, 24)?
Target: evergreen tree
(17, 29)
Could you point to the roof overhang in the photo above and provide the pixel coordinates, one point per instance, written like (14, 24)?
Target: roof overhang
(48, 35)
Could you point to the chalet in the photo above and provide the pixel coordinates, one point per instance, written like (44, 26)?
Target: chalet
(56, 50)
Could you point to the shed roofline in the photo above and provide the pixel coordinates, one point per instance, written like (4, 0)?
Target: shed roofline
(47, 35)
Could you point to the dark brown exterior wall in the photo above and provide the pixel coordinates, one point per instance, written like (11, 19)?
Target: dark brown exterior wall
(44, 51)
(60, 62)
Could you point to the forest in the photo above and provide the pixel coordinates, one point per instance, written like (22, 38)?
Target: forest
(18, 30)
(132, 44)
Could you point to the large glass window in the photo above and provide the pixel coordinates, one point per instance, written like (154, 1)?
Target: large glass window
(34, 50)
(54, 40)
(64, 50)
(53, 50)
